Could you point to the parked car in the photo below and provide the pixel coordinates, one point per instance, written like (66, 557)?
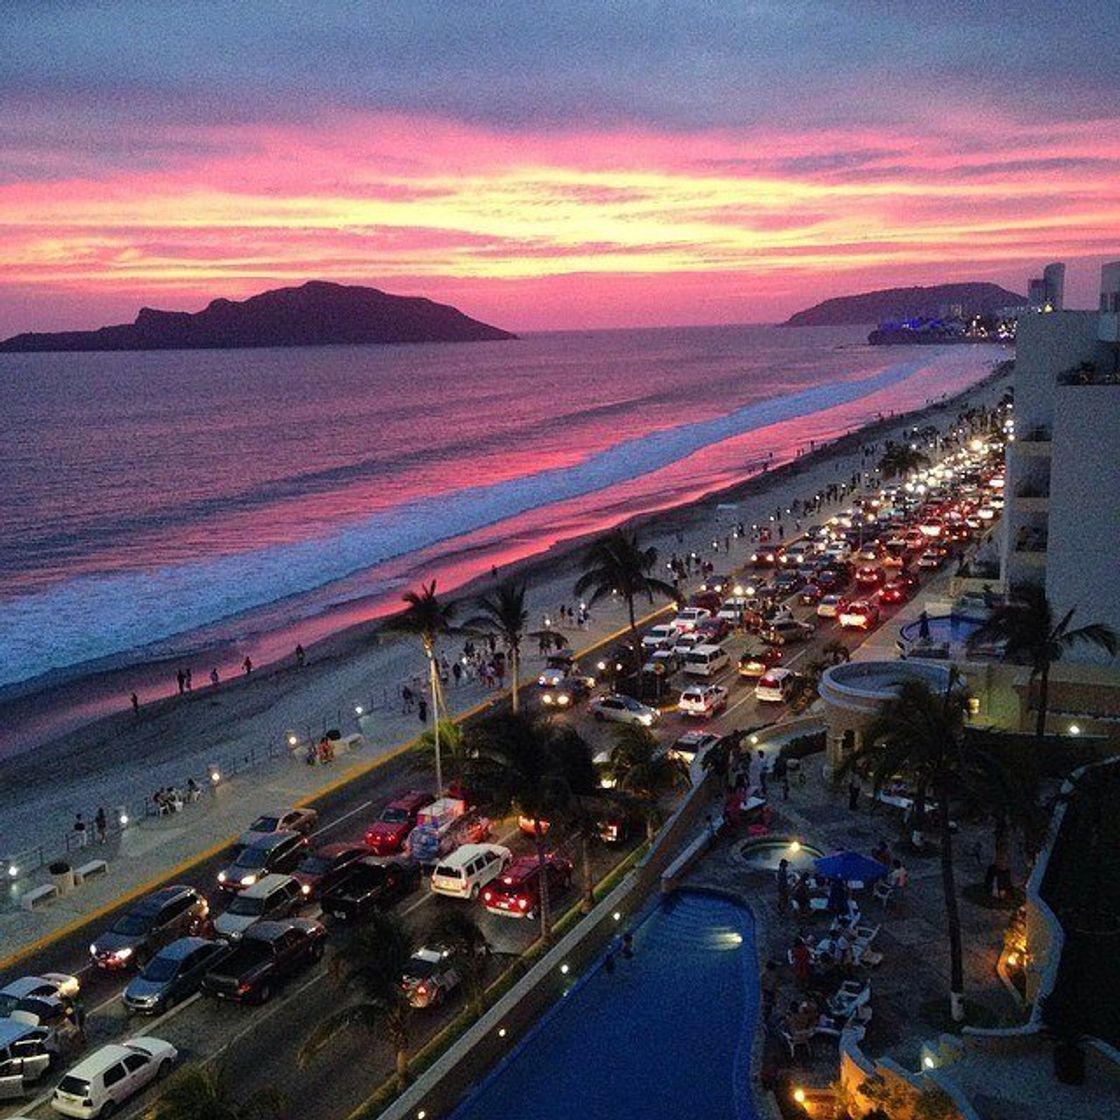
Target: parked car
(623, 709)
(431, 975)
(386, 836)
(100, 1083)
(702, 700)
(705, 660)
(661, 636)
(173, 974)
(369, 886)
(663, 663)
(755, 662)
(326, 865)
(26, 1053)
(783, 633)
(689, 617)
(290, 820)
(775, 686)
(267, 954)
(564, 693)
(692, 744)
(516, 892)
(860, 614)
(137, 935)
(279, 851)
(468, 869)
(272, 898)
(714, 630)
(57, 984)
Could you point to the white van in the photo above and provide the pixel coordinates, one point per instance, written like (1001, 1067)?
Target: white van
(660, 636)
(775, 686)
(274, 897)
(706, 661)
(469, 868)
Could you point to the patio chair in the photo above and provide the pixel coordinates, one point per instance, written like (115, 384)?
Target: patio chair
(852, 995)
(803, 1038)
(883, 892)
(864, 935)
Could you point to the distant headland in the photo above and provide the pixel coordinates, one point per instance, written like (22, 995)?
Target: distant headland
(314, 314)
(896, 304)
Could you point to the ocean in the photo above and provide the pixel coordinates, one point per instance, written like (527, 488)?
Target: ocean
(156, 503)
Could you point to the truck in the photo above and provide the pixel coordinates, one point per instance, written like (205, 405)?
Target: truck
(442, 826)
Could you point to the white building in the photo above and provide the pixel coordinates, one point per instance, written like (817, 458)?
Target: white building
(1062, 517)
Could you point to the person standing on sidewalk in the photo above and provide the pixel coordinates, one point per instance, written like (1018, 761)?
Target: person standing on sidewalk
(80, 836)
(101, 824)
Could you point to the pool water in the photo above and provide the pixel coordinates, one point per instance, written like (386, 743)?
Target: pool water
(667, 1035)
(954, 629)
(765, 855)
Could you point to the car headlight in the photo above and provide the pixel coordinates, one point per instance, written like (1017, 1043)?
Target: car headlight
(93, 950)
(305, 888)
(248, 880)
(222, 876)
(563, 701)
(122, 954)
(647, 719)
(546, 698)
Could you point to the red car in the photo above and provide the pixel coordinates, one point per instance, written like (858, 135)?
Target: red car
(386, 836)
(517, 893)
(899, 589)
(869, 577)
(321, 869)
(714, 629)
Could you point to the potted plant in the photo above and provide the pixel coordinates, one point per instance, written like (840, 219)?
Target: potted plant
(62, 875)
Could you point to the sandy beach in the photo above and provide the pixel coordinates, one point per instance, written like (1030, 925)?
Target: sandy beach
(121, 758)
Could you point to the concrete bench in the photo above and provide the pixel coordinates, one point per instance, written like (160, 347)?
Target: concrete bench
(31, 899)
(94, 867)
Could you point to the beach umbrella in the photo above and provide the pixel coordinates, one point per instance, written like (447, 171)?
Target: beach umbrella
(850, 867)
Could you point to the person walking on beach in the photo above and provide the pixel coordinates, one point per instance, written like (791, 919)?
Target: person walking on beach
(406, 699)
(100, 823)
(300, 656)
(247, 665)
(135, 704)
(457, 673)
(181, 678)
(214, 678)
(187, 675)
(422, 710)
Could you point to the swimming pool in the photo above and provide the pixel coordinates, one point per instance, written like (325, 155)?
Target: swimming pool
(953, 629)
(667, 1035)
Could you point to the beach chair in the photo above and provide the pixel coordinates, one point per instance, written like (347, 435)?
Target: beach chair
(803, 1038)
(883, 892)
(852, 995)
(864, 935)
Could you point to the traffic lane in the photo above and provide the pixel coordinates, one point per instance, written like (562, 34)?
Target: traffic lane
(343, 815)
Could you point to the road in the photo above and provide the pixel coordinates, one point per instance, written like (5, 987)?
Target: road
(260, 1045)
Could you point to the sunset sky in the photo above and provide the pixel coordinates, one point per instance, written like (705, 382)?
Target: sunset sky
(550, 165)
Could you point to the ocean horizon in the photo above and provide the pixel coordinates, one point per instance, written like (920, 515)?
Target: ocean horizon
(162, 503)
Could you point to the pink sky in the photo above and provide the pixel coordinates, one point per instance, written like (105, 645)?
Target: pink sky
(619, 201)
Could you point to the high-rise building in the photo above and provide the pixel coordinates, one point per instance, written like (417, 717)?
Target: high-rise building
(1036, 292)
(1062, 514)
(1054, 283)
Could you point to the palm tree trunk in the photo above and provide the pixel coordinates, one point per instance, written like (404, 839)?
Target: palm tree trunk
(588, 903)
(515, 669)
(433, 685)
(633, 622)
(402, 1066)
(1043, 699)
(546, 915)
(952, 912)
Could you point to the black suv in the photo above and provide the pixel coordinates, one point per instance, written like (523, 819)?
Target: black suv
(278, 851)
(368, 886)
(155, 921)
(267, 954)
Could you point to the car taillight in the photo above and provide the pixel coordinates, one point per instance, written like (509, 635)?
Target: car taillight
(422, 989)
(242, 989)
(487, 896)
(523, 903)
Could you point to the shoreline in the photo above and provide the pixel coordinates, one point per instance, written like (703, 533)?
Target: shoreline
(351, 640)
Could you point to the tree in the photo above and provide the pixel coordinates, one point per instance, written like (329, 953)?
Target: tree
(524, 762)
(834, 653)
(371, 964)
(643, 770)
(1025, 625)
(448, 736)
(505, 615)
(460, 932)
(920, 734)
(429, 619)
(617, 564)
(901, 458)
(202, 1092)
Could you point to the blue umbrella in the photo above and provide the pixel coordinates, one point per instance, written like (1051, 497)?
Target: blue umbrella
(850, 867)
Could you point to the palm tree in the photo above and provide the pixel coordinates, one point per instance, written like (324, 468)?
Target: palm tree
(616, 563)
(447, 735)
(585, 815)
(901, 458)
(1026, 627)
(643, 770)
(524, 762)
(202, 1092)
(505, 615)
(834, 653)
(371, 963)
(920, 734)
(460, 932)
(429, 619)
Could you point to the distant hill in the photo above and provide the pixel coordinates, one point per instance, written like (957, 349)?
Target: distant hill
(315, 314)
(904, 303)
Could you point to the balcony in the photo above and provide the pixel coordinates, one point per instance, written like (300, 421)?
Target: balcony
(1032, 496)
(1040, 433)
